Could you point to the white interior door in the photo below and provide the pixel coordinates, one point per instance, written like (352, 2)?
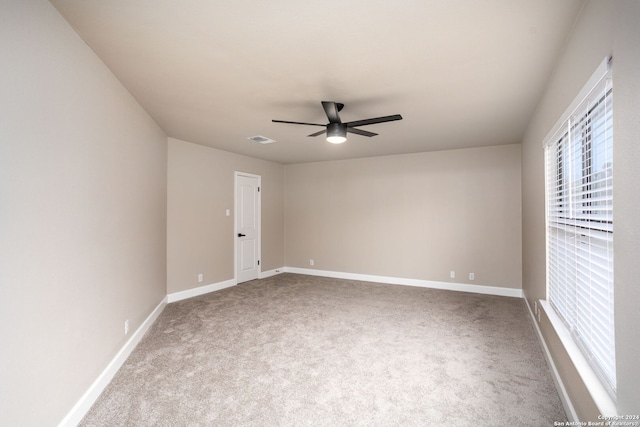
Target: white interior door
(247, 232)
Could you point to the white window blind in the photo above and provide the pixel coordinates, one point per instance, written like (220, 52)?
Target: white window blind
(579, 180)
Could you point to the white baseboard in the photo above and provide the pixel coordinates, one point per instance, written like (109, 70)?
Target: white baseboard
(200, 290)
(269, 273)
(461, 287)
(562, 390)
(87, 400)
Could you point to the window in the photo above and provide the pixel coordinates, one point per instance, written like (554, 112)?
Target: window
(579, 182)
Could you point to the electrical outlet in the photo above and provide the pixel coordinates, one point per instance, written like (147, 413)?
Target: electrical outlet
(310, 262)
(472, 276)
(126, 326)
(452, 274)
(200, 277)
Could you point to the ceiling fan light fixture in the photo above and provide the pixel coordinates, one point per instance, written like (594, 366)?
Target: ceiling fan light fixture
(336, 139)
(336, 133)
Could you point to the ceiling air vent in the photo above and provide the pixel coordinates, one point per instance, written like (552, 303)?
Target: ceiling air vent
(261, 139)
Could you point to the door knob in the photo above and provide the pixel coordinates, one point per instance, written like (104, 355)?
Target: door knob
(241, 235)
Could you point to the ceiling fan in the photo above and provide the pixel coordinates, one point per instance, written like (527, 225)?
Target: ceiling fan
(336, 130)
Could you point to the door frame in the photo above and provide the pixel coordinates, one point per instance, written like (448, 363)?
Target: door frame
(237, 174)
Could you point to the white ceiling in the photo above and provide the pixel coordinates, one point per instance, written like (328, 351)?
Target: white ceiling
(463, 73)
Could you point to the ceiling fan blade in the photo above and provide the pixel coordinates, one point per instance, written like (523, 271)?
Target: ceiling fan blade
(360, 132)
(374, 120)
(331, 108)
(297, 123)
(322, 132)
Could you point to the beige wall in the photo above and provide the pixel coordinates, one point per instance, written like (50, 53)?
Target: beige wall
(411, 216)
(604, 27)
(82, 215)
(199, 234)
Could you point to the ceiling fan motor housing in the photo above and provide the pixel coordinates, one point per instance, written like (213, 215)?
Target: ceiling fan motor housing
(336, 133)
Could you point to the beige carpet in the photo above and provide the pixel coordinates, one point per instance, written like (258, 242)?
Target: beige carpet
(295, 350)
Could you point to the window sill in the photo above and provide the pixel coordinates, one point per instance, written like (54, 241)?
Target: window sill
(598, 392)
